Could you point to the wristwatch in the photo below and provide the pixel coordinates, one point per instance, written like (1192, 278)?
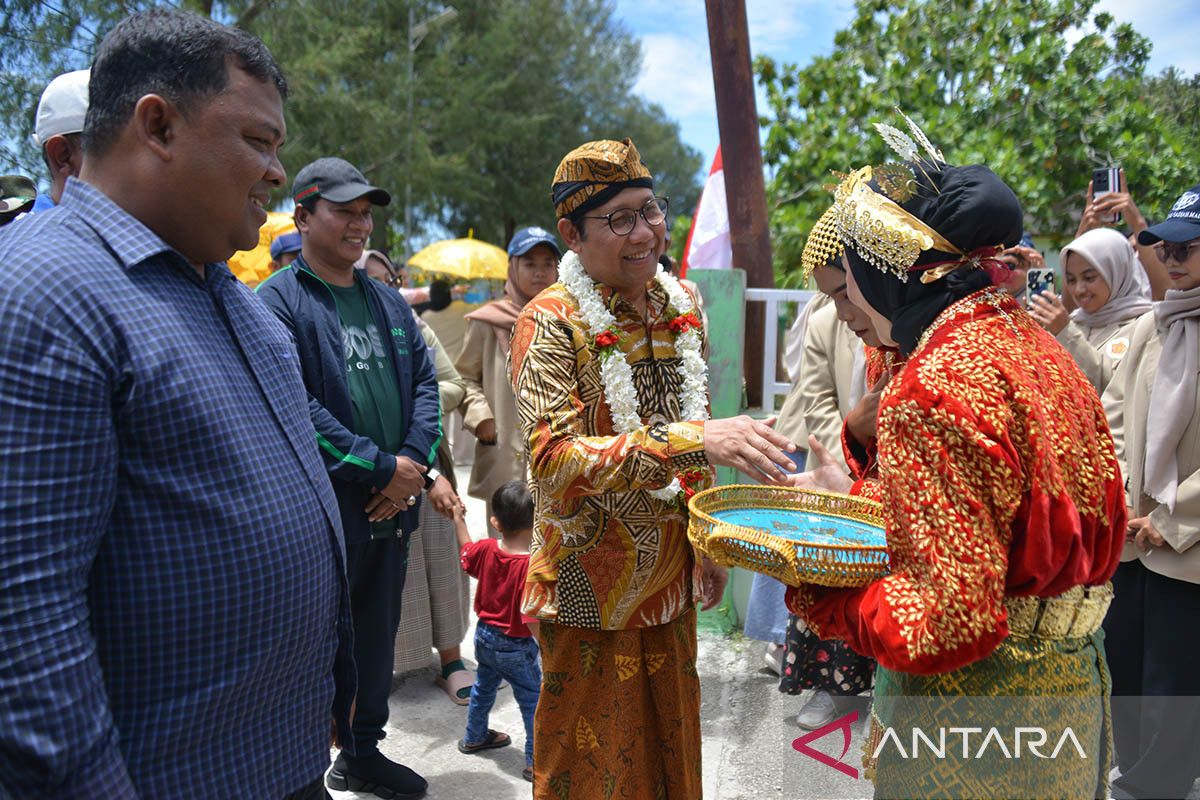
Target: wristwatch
(431, 476)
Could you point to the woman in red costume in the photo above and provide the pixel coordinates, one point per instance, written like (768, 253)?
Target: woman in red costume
(1002, 501)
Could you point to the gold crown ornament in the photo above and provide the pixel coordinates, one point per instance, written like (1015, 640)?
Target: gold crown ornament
(875, 224)
(880, 230)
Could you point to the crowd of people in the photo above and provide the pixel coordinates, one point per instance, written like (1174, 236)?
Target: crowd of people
(236, 511)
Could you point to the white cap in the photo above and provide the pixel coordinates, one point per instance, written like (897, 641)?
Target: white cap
(62, 107)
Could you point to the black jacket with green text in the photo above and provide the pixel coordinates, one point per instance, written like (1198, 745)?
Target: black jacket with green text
(356, 464)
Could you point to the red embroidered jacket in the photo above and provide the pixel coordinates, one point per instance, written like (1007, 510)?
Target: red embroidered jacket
(998, 479)
(861, 457)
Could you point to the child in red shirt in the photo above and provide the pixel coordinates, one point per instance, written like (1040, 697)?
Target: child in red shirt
(505, 647)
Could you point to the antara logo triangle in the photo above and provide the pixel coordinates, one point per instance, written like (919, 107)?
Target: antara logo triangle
(843, 724)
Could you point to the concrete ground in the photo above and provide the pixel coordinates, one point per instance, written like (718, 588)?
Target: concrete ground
(747, 724)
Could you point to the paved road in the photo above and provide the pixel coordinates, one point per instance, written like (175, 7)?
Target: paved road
(748, 731)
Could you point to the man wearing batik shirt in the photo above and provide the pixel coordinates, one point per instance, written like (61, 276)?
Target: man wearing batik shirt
(612, 577)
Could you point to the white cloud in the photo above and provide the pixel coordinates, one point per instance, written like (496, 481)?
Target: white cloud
(677, 74)
(676, 62)
(1172, 26)
(775, 25)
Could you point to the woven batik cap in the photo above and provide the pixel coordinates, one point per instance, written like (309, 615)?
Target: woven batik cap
(592, 173)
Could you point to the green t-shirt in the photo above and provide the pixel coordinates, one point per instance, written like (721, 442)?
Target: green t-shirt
(378, 409)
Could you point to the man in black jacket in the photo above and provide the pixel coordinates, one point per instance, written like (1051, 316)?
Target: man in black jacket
(373, 397)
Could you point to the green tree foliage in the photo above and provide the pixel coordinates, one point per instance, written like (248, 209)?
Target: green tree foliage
(680, 226)
(991, 82)
(43, 38)
(1175, 98)
(500, 94)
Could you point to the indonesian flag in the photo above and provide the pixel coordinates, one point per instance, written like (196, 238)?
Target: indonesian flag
(708, 244)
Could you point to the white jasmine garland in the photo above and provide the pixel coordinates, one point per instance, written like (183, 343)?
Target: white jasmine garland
(615, 372)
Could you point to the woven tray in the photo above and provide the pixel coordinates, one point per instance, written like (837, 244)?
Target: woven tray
(797, 536)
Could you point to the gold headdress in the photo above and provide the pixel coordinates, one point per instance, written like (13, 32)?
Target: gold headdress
(875, 224)
(823, 244)
(880, 230)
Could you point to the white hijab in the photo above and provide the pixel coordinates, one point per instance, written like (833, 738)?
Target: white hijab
(1173, 396)
(1115, 259)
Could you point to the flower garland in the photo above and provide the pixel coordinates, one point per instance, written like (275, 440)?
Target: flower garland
(615, 372)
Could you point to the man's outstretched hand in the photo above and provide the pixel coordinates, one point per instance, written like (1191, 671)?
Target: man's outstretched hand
(750, 445)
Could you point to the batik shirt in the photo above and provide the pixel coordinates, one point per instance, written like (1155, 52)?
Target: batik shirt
(998, 479)
(605, 553)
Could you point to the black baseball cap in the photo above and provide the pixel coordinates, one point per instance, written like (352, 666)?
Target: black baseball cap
(1181, 225)
(338, 181)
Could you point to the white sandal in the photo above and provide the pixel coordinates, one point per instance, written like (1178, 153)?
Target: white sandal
(457, 681)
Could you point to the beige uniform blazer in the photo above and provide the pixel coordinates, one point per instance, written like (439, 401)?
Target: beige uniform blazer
(824, 393)
(449, 325)
(484, 369)
(451, 390)
(1127, 404)
(1097, 351)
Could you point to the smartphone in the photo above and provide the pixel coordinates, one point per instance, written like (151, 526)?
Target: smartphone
(1106, 180)
(1038, 281)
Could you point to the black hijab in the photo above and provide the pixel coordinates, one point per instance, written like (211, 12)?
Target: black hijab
(971, 208)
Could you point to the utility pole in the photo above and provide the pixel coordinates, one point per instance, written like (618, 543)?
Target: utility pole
(745, 189)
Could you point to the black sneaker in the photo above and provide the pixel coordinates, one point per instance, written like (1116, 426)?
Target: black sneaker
(377, 775)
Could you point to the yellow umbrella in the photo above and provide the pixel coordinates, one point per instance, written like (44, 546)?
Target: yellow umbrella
(252, 266)
(465, 258)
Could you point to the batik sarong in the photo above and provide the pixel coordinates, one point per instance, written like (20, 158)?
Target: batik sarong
(1051, 694)
(619, 713)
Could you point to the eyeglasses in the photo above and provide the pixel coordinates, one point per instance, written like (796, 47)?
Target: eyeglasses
(623, 220)
(1179, 251)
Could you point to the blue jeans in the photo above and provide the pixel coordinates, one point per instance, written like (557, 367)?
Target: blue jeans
(766, 612)
(503, 657)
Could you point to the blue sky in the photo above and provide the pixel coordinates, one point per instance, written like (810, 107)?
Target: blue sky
(677, 74)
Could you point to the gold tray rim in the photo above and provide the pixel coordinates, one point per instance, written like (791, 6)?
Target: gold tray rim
(793, 562)
(874, 519)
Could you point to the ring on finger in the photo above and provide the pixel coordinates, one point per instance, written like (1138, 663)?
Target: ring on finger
(412, 500)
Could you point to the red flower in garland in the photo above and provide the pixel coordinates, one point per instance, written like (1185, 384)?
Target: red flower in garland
(688, 481)
(684, 322)
(606, 339)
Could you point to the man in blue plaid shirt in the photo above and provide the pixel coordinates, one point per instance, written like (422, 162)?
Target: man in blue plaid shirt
(173, 602)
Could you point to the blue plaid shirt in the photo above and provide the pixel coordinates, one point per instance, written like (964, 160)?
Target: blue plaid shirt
(174, 615)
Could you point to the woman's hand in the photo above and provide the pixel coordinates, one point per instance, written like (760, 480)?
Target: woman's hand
(861, 420)
(1098, 213)
(829, 476)
(485, 432)
(1144, 534)
(712, 584)
(1048, 309)
(442, 497)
